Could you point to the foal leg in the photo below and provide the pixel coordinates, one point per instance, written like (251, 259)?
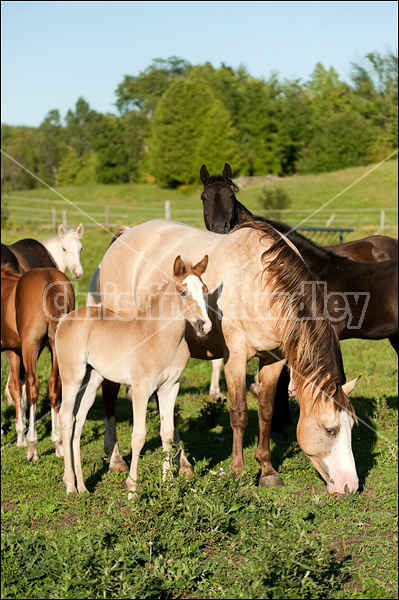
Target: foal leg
(87, 396)
(167, 395)
(111, 445)
(268, 378)
(16, 393)
(235, 371)
(140, 397)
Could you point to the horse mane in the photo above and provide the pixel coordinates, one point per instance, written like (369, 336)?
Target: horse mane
(9, 270)
(307, 337)
(118, 233)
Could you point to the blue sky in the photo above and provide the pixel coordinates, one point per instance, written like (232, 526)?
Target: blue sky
(54, 52)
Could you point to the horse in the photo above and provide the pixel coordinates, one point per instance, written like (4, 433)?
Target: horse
(149, 352)
(31, 305)
(346, 270)
(222, 212)
(260, 304)
(60, 252)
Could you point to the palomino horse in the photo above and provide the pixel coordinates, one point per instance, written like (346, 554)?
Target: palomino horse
(263, 302)
(149, 352)
(31, 305)
(349, 284)
(66, 248)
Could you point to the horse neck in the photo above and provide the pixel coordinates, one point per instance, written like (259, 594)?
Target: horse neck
(53, 245)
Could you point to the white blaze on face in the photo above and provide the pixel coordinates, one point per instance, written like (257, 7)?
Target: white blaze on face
(194, 287)
(340, 462)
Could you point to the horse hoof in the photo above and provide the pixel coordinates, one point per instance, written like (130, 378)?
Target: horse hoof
(118, 467)
(132, 496)
(185, 471)
(32, 456)
(270, 481)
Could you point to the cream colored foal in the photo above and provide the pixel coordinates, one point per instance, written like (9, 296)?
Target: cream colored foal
(147, 351)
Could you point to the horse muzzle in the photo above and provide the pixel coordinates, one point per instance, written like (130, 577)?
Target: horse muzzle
(202, 327)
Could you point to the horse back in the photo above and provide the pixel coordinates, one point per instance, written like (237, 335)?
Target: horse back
(31, 254)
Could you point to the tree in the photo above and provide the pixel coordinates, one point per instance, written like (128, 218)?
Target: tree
(188, 123)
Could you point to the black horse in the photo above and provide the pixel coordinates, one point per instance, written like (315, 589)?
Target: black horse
(360, 278)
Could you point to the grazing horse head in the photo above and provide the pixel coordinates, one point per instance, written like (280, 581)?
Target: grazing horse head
(192, 290)
(219, 201)
(324, 433)
(66, 249)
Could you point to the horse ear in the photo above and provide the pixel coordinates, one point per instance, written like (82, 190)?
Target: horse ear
(348, 387)
(179, 268)
(201, 266)
(80, 230)
(61, 231)
(227, 174)
(204, 175)
(330, 389)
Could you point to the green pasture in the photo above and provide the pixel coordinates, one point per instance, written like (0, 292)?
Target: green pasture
(211, 536)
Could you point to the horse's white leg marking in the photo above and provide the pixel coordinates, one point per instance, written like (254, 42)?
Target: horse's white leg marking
(86, 402)
(214, 389)
(55, 434)
(20, 423)
(31, 437)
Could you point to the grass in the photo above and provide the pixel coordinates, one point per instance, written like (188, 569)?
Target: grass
(211, 536)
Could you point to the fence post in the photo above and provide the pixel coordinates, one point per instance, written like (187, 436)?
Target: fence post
(382, 222)
(167, 209)
(64, 219)
(54, 219)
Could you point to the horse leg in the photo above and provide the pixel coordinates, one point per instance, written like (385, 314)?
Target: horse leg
(30, 352)
(16, 393)
(54, 393)
(268, 377)
(235, 371)
(87, 396)
(110, 392)
(140, 397)
(281, 413)
(166, 402)
(214, 389)
(73, 387)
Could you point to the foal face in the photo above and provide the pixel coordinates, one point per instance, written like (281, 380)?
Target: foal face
(71, 249)
(324, 434)
(192, 292)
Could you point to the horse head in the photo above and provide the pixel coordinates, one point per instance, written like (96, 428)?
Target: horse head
(191, 291)
(324, 433)
(219, 201)
(69, 249)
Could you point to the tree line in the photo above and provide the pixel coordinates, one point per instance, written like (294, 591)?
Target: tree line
(174, 116)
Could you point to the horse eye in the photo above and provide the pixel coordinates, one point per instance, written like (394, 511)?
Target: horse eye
(182, 294)
(203, 198)
(331, 431)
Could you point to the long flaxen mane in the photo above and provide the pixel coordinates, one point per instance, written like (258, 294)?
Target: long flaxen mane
(308, 339)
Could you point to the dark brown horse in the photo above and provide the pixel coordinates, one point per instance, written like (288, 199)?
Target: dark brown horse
(31, 306)
(26, 254)
(360, 292)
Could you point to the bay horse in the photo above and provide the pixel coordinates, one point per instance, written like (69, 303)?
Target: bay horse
(60, 252)
(148, 352)
(31, 305)
(260, 304)
(340, 267)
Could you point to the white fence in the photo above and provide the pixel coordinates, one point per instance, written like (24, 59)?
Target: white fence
(46, 214)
